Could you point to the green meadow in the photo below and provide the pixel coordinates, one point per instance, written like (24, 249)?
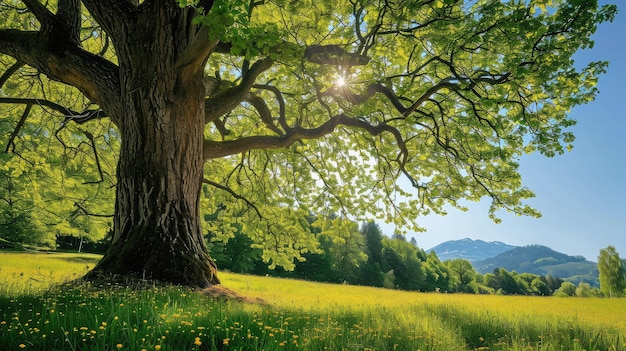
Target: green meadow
(38, 314)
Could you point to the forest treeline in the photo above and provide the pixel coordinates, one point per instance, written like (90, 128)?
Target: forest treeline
(365, 256)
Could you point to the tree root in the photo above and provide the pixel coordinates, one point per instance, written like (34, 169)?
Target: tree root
(221, 292)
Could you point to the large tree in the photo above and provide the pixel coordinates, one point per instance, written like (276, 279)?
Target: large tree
(297, 106)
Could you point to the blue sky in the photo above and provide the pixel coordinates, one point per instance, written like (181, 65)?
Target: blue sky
(582, 193)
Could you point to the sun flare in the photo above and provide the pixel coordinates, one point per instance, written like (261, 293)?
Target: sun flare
(340, 81)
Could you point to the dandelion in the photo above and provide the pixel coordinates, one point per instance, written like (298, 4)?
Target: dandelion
(157, 347)
(225, 341)
(119, 346)
(22, 346)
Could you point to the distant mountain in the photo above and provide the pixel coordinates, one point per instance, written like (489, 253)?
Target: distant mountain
(542, 260)
(471, 250)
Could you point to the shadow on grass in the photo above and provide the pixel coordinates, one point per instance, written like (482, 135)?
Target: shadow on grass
(85, 260)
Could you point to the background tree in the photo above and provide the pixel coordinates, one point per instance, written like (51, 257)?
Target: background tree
(553, 282)
(463, 275)
(566, 289)
(584, 290)
(437, 274)
(402, 257)
(344, 247)
(316, 265)
(16, 206)
(612, 272)
(291, 107)
(540, 287)
(372, 271)
(508, 283)
(237, 254)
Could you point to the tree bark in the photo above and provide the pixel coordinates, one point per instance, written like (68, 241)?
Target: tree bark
(157, 231)
(157, 226)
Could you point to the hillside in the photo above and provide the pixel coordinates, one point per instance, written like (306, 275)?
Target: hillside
(538, 259)
(471, 250)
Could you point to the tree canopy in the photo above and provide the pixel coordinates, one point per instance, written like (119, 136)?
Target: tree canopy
(286, 108)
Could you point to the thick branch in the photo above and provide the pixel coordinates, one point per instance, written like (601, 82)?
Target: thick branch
(217, 149)
(70, 115)
(94, 76)
(196, 54)
(45, 103)
(39, 10)
(426, 96)
(264, 112)
(88, 213)
(95, 154)
(9, 72)
(69, 17)
(18, 128)
(112, 15)
(375, 88)
(226, 100)
(64, 26)
(282, 119)
(448, 83)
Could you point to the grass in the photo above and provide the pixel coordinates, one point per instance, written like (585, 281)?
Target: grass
(33, 272)
(299, 316)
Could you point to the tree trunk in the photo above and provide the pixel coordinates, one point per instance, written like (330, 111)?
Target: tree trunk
(157, 226)
(157, 231)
